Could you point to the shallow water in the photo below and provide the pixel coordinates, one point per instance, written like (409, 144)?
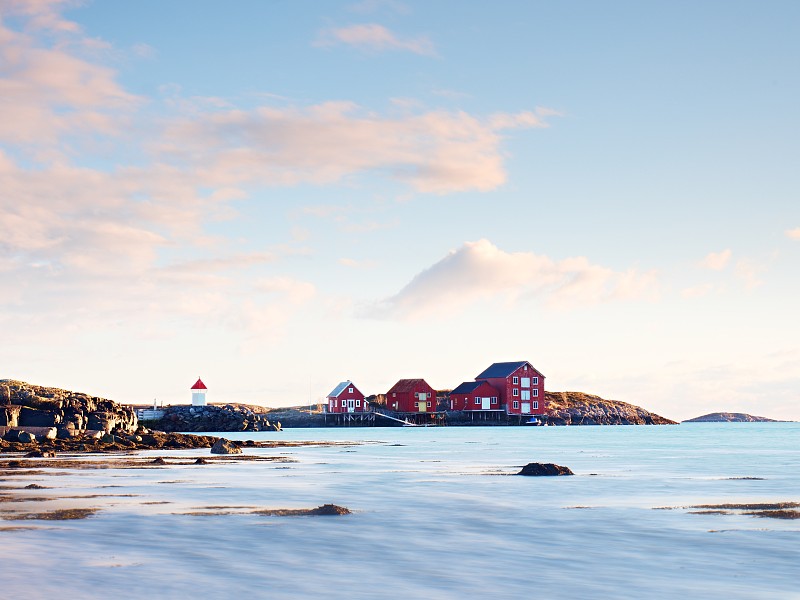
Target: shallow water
(436, 515)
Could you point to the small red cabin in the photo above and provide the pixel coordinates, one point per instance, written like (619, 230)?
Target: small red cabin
(521, 387)
(475, 395)
(346, 398)
(412, 396)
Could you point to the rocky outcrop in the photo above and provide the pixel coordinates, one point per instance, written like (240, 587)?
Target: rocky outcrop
(231, 417)
(577, 408)
(26, 405)
(223, 446)
(726, 417)
(544, 470)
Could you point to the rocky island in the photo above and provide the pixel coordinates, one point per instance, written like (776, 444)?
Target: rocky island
(727, 417)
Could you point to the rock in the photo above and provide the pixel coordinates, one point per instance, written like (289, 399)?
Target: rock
(26, 437)
(201, 461)
(577, 408)
(223, 446)
(12, 435)
(544, 470)
(65, 433)
(51, 433)
(33, 417)
(41, 454)
(726, 417)
(158, 461)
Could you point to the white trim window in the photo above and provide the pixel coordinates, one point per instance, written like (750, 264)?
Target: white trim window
(535, 405)
(535, 393)
(358, 402)
(526, 382)
(526, 395)
(494, 399)
(515, 381)
(429, 404)
(515, 392)
(516, 403)
(477, 401)
(350, 390)
(535, 381)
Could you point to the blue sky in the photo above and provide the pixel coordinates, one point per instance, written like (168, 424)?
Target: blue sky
(278, 196)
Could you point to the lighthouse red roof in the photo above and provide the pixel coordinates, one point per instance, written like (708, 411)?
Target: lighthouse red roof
(199, 385)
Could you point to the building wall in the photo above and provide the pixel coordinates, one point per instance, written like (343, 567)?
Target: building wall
(467, 401)
(506, 387)
(339, 404)
(407, 401)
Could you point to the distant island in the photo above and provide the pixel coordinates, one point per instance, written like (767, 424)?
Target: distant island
(727, 417)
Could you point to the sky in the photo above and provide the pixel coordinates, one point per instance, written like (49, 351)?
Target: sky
(278, 196)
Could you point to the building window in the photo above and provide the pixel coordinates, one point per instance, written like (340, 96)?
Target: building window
(515, 381)
(494, 399)
(416, 394)
(535, 405)
(535, 381)
(429, 403)
(515, 392)
(526, 394)
(477, 401)
(535, 393)
(516, 404)
(394, 394)
(526, 382)
(525, 368)
(358, 402)
(350, 390)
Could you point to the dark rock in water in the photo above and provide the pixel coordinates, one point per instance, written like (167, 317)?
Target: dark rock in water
(544, 470)
(325, 510)
(158, 461)
(35, 486)
(223, 446)
(41, 454)
(26, 438)
(201, 461)
(12, 435)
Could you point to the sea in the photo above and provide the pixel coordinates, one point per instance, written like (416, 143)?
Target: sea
(437, 513)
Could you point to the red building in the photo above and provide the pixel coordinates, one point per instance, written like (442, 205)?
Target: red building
(475, 395)
(345, 398)
(412, 396)
(521, 387)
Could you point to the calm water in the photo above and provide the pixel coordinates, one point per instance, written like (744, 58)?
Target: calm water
(436, 516)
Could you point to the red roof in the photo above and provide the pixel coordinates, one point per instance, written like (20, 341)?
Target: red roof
(199, 385)
(408, 385)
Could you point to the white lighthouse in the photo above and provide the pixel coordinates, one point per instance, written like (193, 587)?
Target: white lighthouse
(199, 393)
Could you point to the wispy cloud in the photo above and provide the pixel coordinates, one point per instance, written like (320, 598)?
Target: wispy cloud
(437, 152)
(793, 233)
(480, 271)
(375, 38)
(716, 261)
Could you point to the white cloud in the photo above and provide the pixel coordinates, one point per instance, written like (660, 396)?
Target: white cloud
(480, 271)
(793, 233)
(748, 271)
(374, 37)
(716, 261)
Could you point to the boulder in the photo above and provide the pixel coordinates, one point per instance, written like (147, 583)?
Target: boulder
(33, 417)
(544, 470)
(12, 435)
(26, 437)
(223, 446)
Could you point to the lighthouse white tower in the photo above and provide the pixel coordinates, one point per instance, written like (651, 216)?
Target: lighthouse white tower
(199, 393)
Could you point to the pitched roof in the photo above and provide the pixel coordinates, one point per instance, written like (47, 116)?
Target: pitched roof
(339, 389)
(407, 385)
(503, 369)
(199, 385)
(466, 387)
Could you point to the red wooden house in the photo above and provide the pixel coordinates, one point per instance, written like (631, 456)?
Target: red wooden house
(475, 395)
(412, 396)
(521, 387)
(346, 398)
